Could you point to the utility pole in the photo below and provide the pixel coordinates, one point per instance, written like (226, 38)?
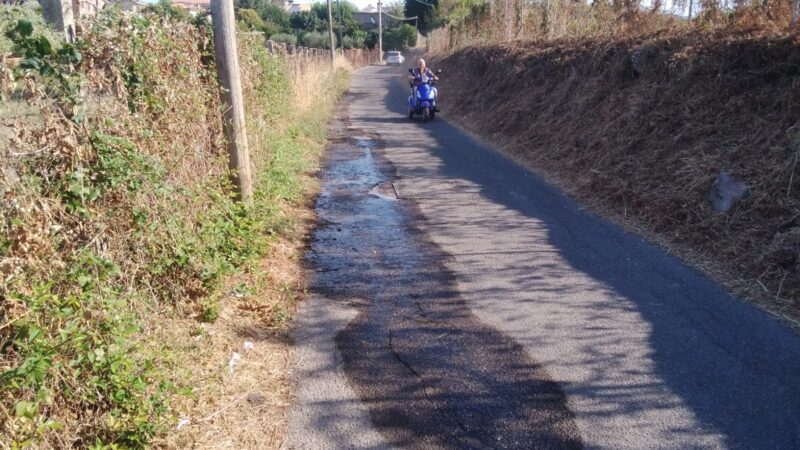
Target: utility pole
(508, 21)
(793, 24)
(227, 60)
(330, 33)
(690, 10)
(341, 41)
(380, 33)
(61, 15)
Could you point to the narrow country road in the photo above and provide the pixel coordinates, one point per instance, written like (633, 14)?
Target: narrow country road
(458, 301)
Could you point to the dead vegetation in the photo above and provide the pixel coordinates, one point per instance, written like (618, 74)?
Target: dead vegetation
(640, 127)
(129, 274)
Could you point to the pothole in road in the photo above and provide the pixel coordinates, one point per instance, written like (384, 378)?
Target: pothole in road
(385, 191)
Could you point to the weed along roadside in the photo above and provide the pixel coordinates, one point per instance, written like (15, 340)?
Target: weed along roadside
(141, 305)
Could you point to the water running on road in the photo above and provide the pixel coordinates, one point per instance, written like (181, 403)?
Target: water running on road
(431, 374)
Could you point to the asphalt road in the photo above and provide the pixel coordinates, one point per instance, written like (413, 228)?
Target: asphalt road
(458, 301)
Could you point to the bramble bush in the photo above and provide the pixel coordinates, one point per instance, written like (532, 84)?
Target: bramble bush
(117, 208)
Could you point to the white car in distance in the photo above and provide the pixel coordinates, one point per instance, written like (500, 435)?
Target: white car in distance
(394, 58)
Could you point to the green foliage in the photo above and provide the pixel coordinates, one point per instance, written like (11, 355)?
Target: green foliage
(271, 14)
(10, 17)
(353, 42)
(250, 19)
(90, 358)
(275, 21)
(317, 40)
(371, 42)
(80, 357)
(210, 311)
(165, 9)
(420, 8)
(117, 165)
(305, 21)
(459, 12)
(347, 8)
(350, 26)
(358, 39)
(400, 38)
(284, 38)
(55, 65)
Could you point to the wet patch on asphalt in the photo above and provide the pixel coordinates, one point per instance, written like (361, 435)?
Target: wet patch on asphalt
(431, 374)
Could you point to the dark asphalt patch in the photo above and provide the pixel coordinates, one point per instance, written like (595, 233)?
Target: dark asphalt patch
(432, 375)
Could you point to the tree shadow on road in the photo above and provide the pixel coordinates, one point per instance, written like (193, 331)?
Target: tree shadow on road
(640, 334)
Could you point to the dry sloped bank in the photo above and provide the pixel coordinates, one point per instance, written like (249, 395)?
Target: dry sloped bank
(644, 146)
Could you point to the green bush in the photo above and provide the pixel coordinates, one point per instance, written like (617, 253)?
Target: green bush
(317, 40)
(250, 19)
(11, 15)
(165, 9)
(129, 223)
(304, 21)
(284, 38)
(268, 11)
(400, 38)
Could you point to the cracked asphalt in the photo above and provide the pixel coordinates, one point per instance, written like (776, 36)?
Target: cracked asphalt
(458, 301)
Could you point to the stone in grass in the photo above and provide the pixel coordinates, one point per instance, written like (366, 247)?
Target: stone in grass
(255, 399)
(726, 191)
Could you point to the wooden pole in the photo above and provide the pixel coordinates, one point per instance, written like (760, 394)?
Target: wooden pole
(793, 23)
(61, 15)
(330, 33)
(508, 21)
(380, 33)
(341, 38)
(227, 59)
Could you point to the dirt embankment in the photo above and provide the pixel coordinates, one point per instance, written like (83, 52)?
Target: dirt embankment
(640, 129)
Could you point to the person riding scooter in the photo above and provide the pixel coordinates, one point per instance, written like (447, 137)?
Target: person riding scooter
(418, 73)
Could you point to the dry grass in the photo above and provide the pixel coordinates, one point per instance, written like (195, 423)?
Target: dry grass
(487, 24)
(243, 408)
(119, 242)
(644, 147)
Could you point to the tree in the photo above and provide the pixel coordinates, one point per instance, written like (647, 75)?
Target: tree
(275, 14)
(395, 9)
(400, 38)
(372, 40)
(350, 26)
(250, 19)
(424, 9)
(268, 11)
(306, 21)
(284, 38)
(348, 11)
(316, 39)
(165, 8)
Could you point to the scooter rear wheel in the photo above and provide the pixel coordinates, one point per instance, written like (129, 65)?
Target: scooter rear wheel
(426, 114)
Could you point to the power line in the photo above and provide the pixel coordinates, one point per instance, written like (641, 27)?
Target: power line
(426, 3)
(401, 18)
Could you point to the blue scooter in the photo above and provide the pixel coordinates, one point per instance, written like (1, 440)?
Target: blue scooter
(425, 102)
